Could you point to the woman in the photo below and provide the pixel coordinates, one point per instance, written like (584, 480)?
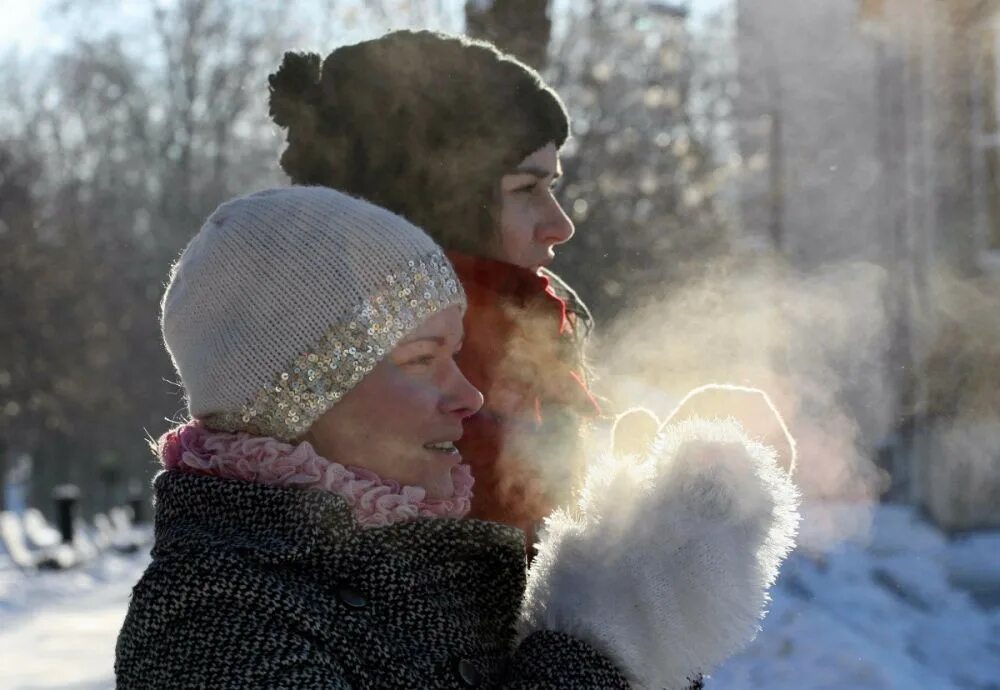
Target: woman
(464, 141)
(305, 519)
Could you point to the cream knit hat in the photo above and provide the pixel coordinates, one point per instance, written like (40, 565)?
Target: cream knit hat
(286, 298)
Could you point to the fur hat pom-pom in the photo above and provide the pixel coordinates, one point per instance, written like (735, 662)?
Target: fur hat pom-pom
(292, 88)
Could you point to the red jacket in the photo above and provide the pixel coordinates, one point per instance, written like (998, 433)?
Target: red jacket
(521, 445)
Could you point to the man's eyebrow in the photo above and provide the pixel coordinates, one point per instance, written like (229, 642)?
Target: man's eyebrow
(537, 171)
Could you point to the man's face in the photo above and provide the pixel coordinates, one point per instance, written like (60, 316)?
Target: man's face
(532, 222)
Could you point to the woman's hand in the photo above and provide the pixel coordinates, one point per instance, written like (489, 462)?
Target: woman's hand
(665, 563)
(634, 432)
(751, 407)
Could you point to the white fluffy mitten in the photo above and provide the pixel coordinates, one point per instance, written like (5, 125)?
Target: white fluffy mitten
(665, 563)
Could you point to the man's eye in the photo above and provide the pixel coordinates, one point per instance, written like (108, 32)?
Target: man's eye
(528, 189)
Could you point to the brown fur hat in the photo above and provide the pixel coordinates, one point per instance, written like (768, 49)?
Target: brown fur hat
(422, 123)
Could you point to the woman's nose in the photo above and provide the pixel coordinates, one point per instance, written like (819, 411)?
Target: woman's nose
(556, 227)
(461, 397)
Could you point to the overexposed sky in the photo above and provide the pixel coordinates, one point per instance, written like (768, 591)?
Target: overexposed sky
(23, 25)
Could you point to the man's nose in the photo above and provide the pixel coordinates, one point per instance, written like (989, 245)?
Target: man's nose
(556, 227)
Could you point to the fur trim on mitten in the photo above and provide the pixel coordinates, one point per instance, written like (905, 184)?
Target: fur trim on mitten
(665, 564)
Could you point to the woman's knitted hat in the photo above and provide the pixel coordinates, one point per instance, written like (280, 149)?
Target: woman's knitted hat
(287, 298)
(422, 123)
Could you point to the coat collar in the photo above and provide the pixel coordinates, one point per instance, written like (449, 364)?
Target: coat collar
(282, 525)
(509, 282)
(499, 276)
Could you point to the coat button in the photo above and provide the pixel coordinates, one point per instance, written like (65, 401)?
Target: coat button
(351, 597)
(468, 673)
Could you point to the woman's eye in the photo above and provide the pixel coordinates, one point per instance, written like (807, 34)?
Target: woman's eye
(422, 361)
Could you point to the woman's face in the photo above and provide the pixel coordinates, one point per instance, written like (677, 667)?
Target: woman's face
(532, 222)
(402, 419)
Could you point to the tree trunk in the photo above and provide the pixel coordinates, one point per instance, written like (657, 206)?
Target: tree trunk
(519, 27)
(3, 475)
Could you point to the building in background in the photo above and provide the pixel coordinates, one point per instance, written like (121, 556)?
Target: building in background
(869, 132)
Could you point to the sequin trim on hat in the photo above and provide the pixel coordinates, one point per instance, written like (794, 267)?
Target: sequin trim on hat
(347, 351)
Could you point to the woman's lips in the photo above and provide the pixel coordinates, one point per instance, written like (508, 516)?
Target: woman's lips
(444, 449)
(442, 446)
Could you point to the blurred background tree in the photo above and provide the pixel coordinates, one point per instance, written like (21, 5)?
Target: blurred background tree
(640, 181)
(116, 149)
(520, 27)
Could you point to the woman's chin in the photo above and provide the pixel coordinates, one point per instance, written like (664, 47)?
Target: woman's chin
(439, 487)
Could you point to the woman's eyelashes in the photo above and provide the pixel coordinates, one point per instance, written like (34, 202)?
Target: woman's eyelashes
(426, 352)
(427, 358)
(423, 360)
(420, 356)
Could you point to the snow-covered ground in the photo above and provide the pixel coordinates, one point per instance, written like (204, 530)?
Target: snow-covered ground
(58, 629)
(889, 606)
(874, 599)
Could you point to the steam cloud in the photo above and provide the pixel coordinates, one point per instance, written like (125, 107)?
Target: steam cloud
(816, 343)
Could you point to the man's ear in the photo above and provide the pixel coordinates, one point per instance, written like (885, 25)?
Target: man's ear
(634, 432)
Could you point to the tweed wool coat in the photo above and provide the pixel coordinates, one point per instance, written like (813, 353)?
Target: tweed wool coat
(257, 586)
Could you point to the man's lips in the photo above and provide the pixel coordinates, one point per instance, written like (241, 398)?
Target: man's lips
(545, 263)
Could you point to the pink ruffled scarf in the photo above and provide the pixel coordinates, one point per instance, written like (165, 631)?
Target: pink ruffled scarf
(376, 502)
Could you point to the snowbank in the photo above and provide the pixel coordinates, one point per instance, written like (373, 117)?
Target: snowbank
(888, 608)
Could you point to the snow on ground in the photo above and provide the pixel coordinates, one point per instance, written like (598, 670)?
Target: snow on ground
(889, 608)
(873, 599)
(58, 629)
